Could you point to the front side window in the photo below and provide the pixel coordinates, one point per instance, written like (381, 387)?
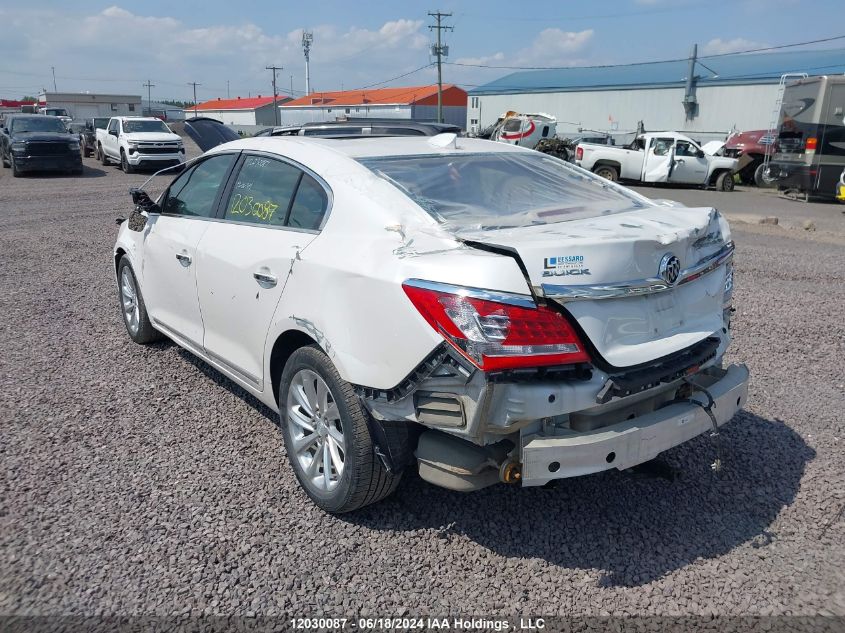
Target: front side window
(500, 189)
(193, 193)
(263, 191)
(685, 148)
(113, 126)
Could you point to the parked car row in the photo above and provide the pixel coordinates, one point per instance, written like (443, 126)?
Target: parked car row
(33, 142)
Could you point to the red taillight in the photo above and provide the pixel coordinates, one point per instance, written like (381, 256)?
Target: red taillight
(496, 336)
(811, 144)
(579, 153)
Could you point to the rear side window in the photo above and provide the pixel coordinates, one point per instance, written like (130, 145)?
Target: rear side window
(263, 191)
(195, 192)
(309, 206)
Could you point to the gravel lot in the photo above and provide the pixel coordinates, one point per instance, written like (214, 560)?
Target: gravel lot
(140, 481)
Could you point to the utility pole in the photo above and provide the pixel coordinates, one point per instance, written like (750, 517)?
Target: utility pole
(148, 85)
(227, 89)
(291, 87)
(441, 52)
(53, 68)
(194, 84)
(275, 94)
(307, 40)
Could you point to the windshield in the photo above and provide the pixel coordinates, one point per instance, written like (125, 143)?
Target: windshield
(102, 123)
(55, 112)
(145, 126)
(499, 190)
(37, 124)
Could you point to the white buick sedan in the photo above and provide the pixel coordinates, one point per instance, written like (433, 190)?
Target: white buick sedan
(479, 311)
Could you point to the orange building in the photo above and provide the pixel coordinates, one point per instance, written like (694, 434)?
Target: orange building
(418, 103)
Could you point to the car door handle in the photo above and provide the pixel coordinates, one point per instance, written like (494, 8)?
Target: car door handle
(184, 259)
(265, 280)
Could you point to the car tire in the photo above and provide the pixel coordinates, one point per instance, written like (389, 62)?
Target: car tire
(16, 173)
(5, 162)
(607, 172)
(725, 181)
(339, 435)
(760, 177)
(86, 152)
(101, 154)
(124, 163)
(132, 306)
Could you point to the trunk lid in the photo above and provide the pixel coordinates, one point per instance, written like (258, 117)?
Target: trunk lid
(605, 271)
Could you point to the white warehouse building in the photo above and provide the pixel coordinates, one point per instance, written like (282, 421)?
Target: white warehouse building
(86, 105)
(728, 92)
(240, 111)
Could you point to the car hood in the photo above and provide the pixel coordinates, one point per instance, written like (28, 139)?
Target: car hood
(582, 263)
(152, 137)
(43, 136)
(207, 133)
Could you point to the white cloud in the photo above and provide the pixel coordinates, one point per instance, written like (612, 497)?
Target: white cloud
(551, 47)
(88, 53)
(719, 46)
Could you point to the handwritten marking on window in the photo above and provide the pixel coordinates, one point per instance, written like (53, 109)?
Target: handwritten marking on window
(247, 206)
(256, 162)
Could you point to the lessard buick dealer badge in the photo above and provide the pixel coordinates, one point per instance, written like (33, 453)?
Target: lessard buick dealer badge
(564, 265)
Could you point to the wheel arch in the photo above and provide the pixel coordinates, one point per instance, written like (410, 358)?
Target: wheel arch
(716, 173)
(119, 252)
(285, 344)
(606, 162)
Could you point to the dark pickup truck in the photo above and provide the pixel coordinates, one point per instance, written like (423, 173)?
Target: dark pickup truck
(34, 142)
(88, 134)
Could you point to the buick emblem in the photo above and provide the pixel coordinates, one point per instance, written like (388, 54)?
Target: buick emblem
(669, 269)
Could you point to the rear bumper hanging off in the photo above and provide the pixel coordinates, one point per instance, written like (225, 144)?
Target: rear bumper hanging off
(634, 441)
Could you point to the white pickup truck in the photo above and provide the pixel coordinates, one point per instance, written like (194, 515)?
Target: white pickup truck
(137, 142)
(658, 157)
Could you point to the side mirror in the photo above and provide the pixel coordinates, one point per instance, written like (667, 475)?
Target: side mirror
(143, 201)
(113, 132)
(700, 153)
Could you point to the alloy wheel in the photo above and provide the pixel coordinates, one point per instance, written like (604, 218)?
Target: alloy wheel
(316, 430)
(129, 299)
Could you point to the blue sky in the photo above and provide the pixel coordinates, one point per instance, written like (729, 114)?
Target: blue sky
(114, 47)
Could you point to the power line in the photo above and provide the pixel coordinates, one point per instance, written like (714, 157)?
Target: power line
(649, 63)
(440, 51)
(387, 81)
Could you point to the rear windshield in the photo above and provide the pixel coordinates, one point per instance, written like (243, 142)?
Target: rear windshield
(145, 126)
(501, 190)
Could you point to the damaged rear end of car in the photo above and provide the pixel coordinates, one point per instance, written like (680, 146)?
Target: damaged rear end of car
(610, 355)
